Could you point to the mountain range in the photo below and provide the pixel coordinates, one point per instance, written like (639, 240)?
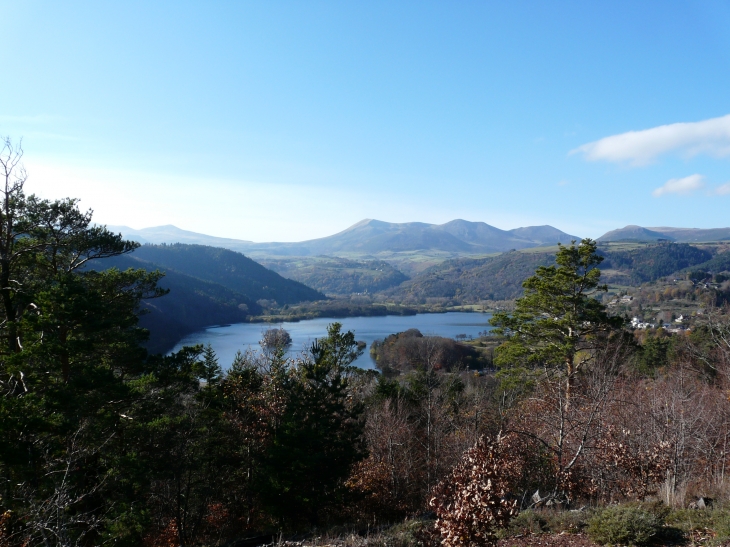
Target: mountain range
(679, 235)
(374, 237)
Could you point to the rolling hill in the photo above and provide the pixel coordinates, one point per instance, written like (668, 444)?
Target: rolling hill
(208, 286)
(338, 276)
(229, 269)
(192, 304)
(173, 234)
(468, 281)
(633, 233)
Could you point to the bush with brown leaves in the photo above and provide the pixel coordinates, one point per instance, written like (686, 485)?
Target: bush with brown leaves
(473, 501)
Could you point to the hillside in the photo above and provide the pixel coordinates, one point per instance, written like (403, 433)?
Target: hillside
(467, 281)
(208, 286)
(695, 235)
(472, 280)
(720, 263)
(192, 304)
(633, 233)
(229, 269)
(338, 276)
(172, 234)
(652, 262)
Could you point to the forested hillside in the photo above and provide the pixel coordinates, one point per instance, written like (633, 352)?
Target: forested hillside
(654, 261)
(191, 304)
(207, 286)
(338, 276)
(465, 281)
(472, 280)
(229, 269)
(717, 264)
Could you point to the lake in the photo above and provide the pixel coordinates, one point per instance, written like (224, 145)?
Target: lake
(227, 340)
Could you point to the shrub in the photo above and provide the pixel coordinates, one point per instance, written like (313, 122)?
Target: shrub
(624, 525)
(691, 521)
(527, 522)
(571, 522)
(472, 502)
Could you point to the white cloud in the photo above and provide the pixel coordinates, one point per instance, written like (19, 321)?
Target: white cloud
(685, 185)
(723, 189)
(710, 137)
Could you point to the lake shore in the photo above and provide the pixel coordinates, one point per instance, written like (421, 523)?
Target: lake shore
(227, 340)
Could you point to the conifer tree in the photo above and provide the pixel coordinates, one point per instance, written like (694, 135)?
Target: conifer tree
(559, 320)
(319, 437)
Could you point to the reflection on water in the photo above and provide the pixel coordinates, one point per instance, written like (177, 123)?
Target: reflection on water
(227, 340)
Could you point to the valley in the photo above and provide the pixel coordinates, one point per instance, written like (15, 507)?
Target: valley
(377, 269)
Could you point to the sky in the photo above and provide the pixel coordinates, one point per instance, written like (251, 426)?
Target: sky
(286, 121)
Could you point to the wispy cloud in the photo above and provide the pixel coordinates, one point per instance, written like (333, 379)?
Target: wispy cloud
(723, 189)
(636, 148)
(685, 185)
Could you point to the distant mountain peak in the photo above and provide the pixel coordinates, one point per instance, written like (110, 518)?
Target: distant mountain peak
(632, 232)
(371, 237)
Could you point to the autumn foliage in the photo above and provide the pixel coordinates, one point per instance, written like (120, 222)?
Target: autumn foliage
(473, 500)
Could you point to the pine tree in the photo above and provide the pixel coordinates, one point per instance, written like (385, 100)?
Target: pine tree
(558, 321)
(319, 437)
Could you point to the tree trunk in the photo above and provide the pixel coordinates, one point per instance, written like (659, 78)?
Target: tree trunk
(570, 380)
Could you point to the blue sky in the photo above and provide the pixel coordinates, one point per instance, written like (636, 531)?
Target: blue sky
(284, 121)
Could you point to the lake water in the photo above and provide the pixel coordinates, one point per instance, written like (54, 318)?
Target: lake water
(227, 340)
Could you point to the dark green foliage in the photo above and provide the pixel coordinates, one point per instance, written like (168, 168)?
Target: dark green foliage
(525, 523)
(339, 276)
(558, 317)
(571, 522)
(387, 388)
(182, 444)
(653, 354)
(70, 345)
(229, 269)
(192, 304)
(654, 261)
(533, 522)
(625, 525)
(717, 264)
(472, 280)
(318, 436)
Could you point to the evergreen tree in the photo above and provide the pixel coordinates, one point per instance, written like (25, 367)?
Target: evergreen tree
(319, 437)
(70, 350)
(558, 321)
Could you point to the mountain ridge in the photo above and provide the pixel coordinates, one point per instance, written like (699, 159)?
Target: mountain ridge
(373, 237)
(632, 232)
